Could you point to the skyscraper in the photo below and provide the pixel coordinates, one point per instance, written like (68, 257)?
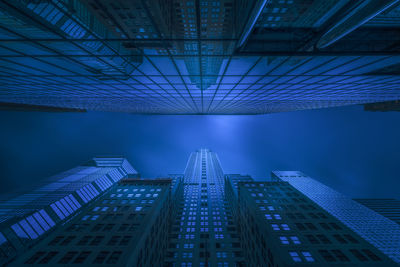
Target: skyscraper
(381, 232)
(198, 56)
(125, 226)
(27, 217)
(203, 232)
(200, 218)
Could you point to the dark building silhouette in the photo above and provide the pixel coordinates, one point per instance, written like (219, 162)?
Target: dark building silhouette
(103, 214)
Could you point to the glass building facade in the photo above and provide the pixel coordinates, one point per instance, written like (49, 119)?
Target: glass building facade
(198, 57)
(202, 217)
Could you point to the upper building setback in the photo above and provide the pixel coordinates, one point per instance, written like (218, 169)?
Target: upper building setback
(198, 56)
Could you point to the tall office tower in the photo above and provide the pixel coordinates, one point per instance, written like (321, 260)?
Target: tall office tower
(280, 226)
(28, 217)
(203, 232)
(198, 56)
(126, 226)
(381, 232)
(388, 207)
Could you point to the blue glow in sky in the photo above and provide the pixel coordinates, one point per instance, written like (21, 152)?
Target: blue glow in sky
(353, 151)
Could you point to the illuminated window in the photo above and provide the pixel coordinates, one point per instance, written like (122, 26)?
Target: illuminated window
(295, 256)
(307, 256)
(295, 240)
(284, 240)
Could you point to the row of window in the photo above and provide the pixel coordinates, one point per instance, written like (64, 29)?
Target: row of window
(91, 240)
(310, 226)
(301, 256)
(338, 255)
(66, 206)
(87, 193)
(132, 195)
(75, 257)
(33, 225)
(127, 201)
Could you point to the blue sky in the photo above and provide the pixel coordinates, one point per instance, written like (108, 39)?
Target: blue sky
(353, 151)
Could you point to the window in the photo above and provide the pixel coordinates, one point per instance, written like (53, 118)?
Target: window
(340, 239)
(340, 255)
(48, 257)
(275, 227)
(56, 240)
(284, 240)
(138, 208)
(324, 239)
(114, 257)
(326, 255)
(295, 240)
(68, 257)
(358, 255)
(108, 227)
(35, 257)
(312, 215)
(67, 240)
(285, 227)
(114, 240)
(295, 256)
(312, 239)
(96, 241)
(325, 226)
(351, 238)
(311, 226)
(307, 256)
(335, 226)
(84, 240)
(371, 255)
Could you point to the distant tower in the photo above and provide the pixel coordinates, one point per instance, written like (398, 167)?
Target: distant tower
(204, 233)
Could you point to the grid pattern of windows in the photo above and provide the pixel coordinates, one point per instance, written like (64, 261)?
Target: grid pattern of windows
(55, 200)
(385, 234)
(274, 217)
(107, 231)
(203, 231)
(180, 57)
